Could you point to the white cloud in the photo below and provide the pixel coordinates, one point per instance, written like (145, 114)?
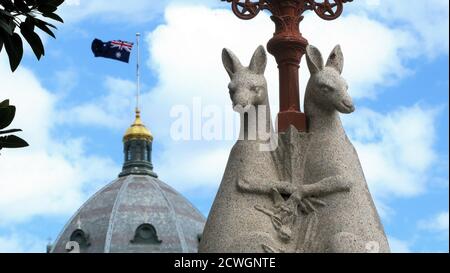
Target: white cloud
(111, 110)
(429, 231)
(395, 151)
(427, 20)
(50, 176)
(112, 10)
(372, 60)
(193, 165)
(439, 223)
(66, 80)
(399, 246)
(21, 243)
(135, 11)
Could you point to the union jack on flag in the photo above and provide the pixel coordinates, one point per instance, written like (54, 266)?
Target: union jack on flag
(116, 50)
(121, 45)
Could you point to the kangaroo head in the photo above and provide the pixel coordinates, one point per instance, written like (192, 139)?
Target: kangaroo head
(248, 85)
(327, 89)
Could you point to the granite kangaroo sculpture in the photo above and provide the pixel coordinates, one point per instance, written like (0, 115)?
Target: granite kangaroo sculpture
(349, 222)
(307, 195)
(234, 225)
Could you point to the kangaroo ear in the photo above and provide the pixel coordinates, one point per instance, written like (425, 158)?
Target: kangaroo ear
(336, 59)
(259, 61)
(230, 62)
(314, 59)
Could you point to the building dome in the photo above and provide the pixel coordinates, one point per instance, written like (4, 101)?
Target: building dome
(135, 213)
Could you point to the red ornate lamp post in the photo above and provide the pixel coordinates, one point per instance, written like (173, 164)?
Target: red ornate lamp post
(288, 46)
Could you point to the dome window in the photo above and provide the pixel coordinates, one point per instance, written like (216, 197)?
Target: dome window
(128, 154)
(145, 155)
(145, 234)
(81, 237)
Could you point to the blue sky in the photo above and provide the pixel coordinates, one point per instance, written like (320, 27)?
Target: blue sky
(74, 108)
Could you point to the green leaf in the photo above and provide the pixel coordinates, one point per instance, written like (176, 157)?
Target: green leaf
(27, 30)
(53, 16)
(29, 22)
(55, 3)
(12, 142)
(10, 131)
(46, 8)
(42, 22)
(5, 13)
(4, 103)
(6, 27)
(14, 48)
(21, 6)
(8, 4)
(6, 116)
(30, 2)
(44, 28)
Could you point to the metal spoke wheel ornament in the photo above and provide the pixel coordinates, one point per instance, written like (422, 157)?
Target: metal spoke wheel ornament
(246, 10)
(329, 11)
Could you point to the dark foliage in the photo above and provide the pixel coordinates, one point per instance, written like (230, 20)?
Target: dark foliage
(25, 15)
(7, 113)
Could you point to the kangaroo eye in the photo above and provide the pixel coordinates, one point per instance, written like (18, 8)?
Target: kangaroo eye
(255, 88)
(326, 88)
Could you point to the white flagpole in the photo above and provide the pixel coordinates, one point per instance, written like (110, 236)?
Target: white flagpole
(138, 74)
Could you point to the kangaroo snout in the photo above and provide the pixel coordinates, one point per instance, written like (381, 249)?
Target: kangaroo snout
(241, 98)
(346, 106)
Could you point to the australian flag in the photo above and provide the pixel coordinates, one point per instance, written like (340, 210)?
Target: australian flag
(116, 50)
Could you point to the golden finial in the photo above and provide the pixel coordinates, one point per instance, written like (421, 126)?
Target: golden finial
(137, 130)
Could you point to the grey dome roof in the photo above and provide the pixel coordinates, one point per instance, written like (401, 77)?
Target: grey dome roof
(134, 213)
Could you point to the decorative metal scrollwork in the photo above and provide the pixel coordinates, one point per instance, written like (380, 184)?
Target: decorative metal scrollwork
(326, 9)
(247, 9)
